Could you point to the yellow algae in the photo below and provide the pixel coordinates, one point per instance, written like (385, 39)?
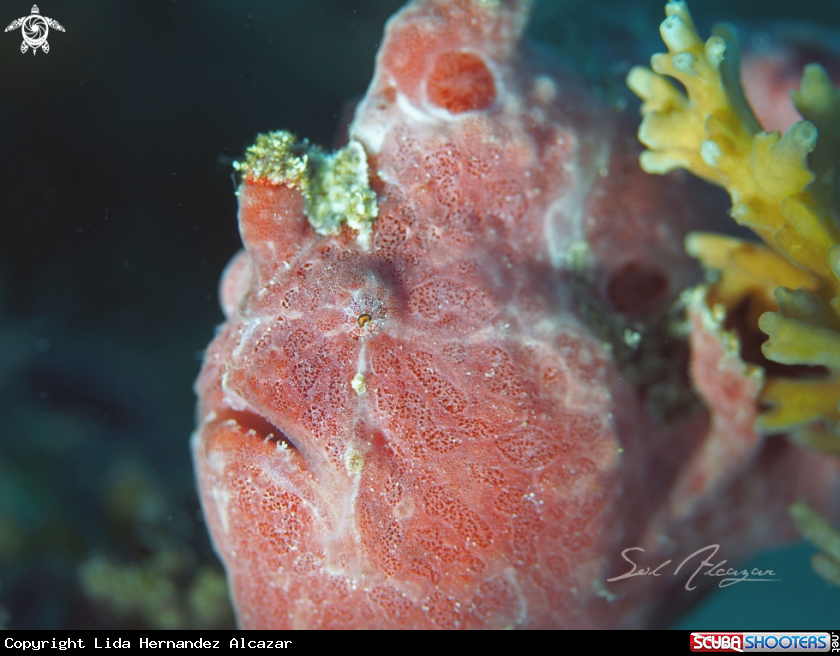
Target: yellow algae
(336, 186)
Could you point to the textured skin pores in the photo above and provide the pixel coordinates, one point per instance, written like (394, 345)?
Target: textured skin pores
(434, 429)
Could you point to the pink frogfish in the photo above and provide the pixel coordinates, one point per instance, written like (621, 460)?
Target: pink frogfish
(457, 381)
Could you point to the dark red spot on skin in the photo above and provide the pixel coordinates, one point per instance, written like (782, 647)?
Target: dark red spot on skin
(636, 288)
(461, 82)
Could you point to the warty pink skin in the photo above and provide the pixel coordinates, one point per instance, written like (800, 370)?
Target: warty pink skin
(504, 451)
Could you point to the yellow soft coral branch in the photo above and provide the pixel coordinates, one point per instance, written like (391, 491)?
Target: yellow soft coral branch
(819, 102)
(796, 342)
(783, 187)
(675, 126)
(787, 190)
(747, 270)
(713, 133)
(819, 533)
(812, 400)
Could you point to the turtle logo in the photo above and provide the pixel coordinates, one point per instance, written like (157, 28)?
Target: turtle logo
(34, 29)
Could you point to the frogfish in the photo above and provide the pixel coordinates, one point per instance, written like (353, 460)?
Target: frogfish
(464, 380)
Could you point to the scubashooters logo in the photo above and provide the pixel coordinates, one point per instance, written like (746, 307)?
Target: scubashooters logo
(34, 29)
(794, 641)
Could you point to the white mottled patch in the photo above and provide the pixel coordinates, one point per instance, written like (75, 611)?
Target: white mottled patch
(354, 461)
(358, 383)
